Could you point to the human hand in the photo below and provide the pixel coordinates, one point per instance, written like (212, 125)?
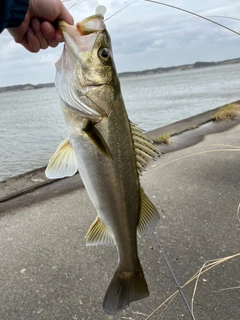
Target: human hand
(36, 31)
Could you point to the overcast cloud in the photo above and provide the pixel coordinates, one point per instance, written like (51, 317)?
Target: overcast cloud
(145, 35)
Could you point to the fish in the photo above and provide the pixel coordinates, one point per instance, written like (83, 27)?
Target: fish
(108, 150)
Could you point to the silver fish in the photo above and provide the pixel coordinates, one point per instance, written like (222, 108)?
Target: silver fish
(108, 150)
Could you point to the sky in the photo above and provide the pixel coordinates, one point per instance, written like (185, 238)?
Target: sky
(144, 35)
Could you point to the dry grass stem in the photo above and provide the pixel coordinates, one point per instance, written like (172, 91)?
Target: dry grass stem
(165, 307)
(208, 265)
(238, 212)
(140, 313)
(225, 145)
(230, 288)
(168, 300)
(190, 155)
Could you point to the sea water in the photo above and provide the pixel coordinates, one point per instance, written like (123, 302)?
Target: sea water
(32, 125)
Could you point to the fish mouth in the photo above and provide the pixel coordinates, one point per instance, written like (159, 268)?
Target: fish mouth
(79, 40)
(82, 36)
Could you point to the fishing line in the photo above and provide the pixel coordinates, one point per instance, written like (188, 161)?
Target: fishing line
(194, 14)
(120, 10)
(225, 17)
(173, 276)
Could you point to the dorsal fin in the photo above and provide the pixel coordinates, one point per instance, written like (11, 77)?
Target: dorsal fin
(144, 147)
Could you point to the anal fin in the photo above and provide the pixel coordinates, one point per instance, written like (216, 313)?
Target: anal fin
(149, 216)
(98, 234)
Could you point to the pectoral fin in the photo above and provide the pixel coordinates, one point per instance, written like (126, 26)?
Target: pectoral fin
(63, 163)
(96, 138)
(149, 216)
(98, 234)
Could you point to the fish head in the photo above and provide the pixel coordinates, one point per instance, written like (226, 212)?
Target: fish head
(86, 77)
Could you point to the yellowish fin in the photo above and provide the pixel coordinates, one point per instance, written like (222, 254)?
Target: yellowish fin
(98, 234)
(124, 288)
(145, 150)
(63, 163)
(149, 216)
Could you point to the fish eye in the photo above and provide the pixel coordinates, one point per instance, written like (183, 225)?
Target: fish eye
(104, 54)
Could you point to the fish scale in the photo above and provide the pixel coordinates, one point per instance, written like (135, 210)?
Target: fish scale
(108, 150)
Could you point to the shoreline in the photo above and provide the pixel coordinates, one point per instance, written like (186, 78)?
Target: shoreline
(49, 273)
(129, 74)
(183, 133)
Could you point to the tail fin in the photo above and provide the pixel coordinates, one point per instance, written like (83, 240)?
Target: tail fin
(124, 288)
